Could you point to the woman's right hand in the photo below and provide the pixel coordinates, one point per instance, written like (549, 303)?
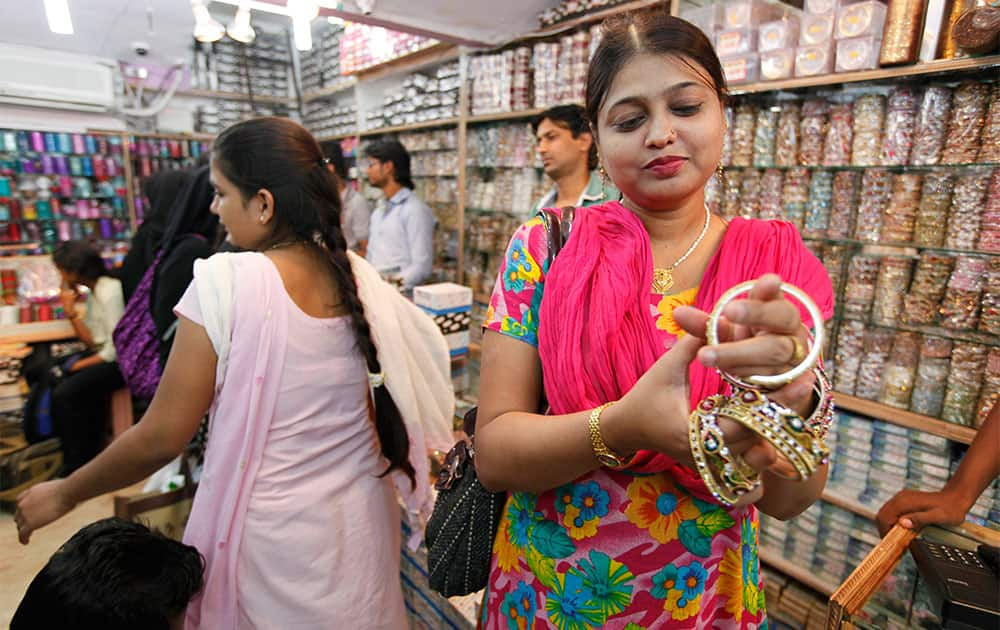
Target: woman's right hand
(654, 414)
(40, 505)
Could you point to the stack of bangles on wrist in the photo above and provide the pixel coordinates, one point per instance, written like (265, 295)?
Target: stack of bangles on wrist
(798, 441)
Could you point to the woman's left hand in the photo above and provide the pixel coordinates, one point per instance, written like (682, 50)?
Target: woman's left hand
(758, 335)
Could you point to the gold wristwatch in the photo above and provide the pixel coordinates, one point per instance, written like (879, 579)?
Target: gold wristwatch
(605, 455)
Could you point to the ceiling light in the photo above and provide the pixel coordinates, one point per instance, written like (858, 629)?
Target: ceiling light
(206, 29)
(57, 13)
(240, 28)
(302, 34)
(256, 5)
(303, 12)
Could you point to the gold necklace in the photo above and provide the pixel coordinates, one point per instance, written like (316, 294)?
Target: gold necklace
(663, 278)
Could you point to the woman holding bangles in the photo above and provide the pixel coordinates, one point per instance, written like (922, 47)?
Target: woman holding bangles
(607, 524)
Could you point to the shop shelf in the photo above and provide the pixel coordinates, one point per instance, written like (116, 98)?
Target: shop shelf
(899, 168)
(967, 336)
(966, 529)
(940, 66)
(338, 86)
(429, 124)
(903, 418)
(441, 52)
(17, 247)
(521, 115)
(37, 332)
(900, 246)
(795, 571)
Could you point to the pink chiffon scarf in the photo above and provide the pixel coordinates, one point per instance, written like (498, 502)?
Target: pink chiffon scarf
(598, 291)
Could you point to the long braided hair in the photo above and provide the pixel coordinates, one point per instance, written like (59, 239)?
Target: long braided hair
(280, 156)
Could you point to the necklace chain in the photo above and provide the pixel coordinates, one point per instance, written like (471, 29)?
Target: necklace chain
(285, 244)
(663, 279)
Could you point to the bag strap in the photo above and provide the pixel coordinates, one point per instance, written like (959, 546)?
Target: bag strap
(558, 226)
(557, 229)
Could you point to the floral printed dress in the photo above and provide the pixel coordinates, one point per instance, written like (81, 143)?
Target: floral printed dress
(614, 549)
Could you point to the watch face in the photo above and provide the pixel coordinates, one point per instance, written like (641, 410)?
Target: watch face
(609, 461)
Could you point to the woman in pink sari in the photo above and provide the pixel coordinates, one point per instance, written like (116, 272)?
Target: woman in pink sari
(619, 319)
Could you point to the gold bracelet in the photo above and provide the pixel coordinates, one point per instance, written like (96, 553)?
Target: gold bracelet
(605, 455)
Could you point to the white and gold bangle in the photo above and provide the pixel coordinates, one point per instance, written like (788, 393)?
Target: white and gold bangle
(777, 380)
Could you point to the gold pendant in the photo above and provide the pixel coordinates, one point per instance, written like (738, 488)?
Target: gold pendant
(663, 280)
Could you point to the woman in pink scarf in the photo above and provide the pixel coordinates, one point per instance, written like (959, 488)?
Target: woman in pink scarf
(581, 545)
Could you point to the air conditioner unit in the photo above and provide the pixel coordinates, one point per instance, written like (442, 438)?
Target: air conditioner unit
(42, 78)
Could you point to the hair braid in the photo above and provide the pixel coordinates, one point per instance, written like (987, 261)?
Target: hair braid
(280, 156)
(393, 439)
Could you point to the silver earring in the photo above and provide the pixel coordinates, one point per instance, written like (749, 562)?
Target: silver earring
(262, 219)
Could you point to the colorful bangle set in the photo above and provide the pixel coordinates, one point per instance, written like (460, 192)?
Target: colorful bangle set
(799, 441)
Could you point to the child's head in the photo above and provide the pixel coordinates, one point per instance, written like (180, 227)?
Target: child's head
(78, 263)
(113, 575)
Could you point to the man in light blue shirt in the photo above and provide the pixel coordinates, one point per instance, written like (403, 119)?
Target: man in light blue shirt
(401, 232)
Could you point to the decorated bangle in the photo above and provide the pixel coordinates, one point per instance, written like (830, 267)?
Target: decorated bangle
(732, 469)
(822, 417)
(780, 426)
(707, 447)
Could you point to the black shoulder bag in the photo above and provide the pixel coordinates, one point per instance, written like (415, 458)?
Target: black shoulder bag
(463, 526)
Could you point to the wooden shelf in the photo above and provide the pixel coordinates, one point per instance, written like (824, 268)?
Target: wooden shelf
(966, 529)
(17, 247)
(429, 124)
(441, 52)
(345, 83)
(37, 332)
(487, 118)
(795, 571)
(903, 418)
(850, 505)
(965, 64)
